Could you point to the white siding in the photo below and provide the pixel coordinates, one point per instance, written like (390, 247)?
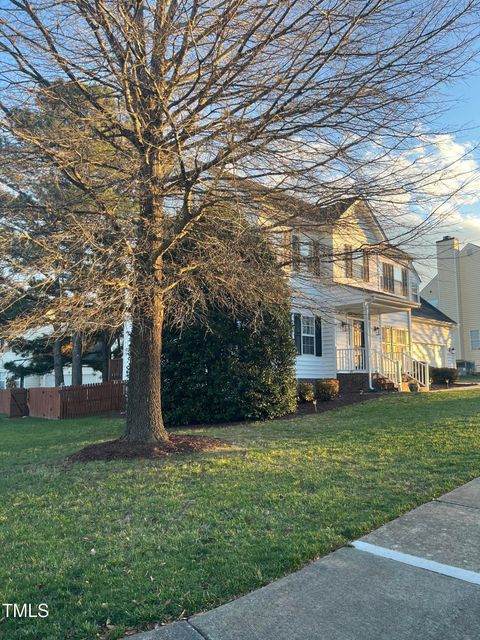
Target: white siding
(323, 366)
(323, 296)
(469, 268)
(456, 292)
(431, 342)
(356, 230)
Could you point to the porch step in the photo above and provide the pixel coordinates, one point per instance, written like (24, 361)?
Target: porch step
(381, 383)
(406, 388)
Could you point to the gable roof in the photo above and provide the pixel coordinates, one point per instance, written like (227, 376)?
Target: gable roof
(427, 311)
(328, 215)
(469, 248)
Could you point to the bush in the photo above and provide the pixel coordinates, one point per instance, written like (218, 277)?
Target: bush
(440, 375)
(327, 389)
(228, 371)
(305, 392)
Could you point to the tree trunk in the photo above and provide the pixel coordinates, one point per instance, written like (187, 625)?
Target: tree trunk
(58, 363)
(144, 406)
(77, 348)
(144, 396)
(105, 355)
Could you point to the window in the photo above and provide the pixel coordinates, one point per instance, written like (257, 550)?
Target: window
(360, 266)
(394, 341)
(394, 279)
(415, 292)
(306, 252)
(388, 282)
(475, 339)
(308, 335)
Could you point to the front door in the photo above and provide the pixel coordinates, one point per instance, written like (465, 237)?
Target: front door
(357, 342)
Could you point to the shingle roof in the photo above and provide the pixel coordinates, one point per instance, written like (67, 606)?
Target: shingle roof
(427, 311)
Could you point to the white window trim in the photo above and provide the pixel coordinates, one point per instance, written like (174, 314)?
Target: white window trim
(308, 335)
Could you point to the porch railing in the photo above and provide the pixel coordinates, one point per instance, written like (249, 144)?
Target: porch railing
(386, 366)
(349, 360)
(392, 365)
(416, 370)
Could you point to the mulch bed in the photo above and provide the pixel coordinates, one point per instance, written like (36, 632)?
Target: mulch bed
(123, 450)
(343, 400)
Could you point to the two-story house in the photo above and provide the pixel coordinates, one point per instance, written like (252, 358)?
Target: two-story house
(357, 313)
(356, 310)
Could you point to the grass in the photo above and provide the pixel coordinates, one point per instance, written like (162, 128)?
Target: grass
(126, 544)
(470, 378)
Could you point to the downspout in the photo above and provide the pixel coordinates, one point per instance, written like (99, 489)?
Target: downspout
(366, 319)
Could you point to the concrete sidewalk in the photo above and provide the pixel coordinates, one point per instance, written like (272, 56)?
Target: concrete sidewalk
(415, 578)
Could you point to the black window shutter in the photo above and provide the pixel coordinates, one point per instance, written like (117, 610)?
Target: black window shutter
(316, 257)
(404, 282)
(318, 336)
(296, 253)
(348, 261)
(297, 332)
(366, 267)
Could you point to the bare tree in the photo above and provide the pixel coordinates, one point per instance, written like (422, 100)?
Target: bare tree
(174, 109)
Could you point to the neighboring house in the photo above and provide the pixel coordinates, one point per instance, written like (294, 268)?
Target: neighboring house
(89, 375)
(455, 291)
(358, 316)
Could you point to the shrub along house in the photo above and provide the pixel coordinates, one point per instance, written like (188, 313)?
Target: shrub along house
(357, 313)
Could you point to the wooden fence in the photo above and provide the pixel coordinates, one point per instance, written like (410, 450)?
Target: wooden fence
(115, 370)
(13, 402)
(44, 402)
(74, 402)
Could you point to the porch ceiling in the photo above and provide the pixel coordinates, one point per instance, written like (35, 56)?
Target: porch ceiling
(378, 304)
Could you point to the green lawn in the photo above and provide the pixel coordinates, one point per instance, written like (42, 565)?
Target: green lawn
(177, 535)
(472, 378)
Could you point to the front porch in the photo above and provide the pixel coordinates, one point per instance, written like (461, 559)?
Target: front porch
(399, 368)
(374, 337)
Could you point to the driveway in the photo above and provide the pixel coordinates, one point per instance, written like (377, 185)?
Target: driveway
(415, 578)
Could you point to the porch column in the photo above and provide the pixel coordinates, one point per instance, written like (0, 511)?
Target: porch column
(366, 324)
(409, 317)
(380, 326)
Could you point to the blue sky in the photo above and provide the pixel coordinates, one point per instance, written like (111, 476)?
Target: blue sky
(463, 116)
(463, 120)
